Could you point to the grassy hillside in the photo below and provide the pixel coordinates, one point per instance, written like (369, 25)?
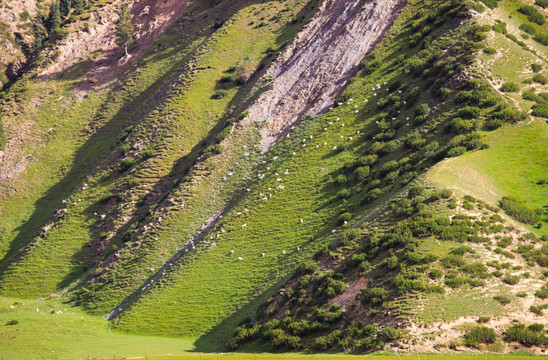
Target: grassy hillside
(151, 200)
(73, 334)
(70, 247)
(340, 167)
(515, 164)
(421, 264)
(59, 331)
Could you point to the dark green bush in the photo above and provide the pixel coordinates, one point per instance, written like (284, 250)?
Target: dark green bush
(456, 151)
(480, 335)
(532, 14)
(373, 296)
(509, 87)
(126, 164)
(525, 336)
(541, 79)
(528, 29)
(519, 210)
(511, 279)
(219, 94)
(503, 299)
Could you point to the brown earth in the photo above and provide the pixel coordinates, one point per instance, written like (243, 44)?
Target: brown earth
(315, 67)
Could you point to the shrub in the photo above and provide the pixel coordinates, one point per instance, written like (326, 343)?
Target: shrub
(511, 279)
(148, 153)
(503, 299)
(525, 336)
(435, 274)
(362, 172)
(12, 322)
(372, 195)
(456, 151)
(509, 87)
(519, 210)
(343, 194)
(484, 319)
(542, 38)
(422, 109)
(126, 164)
(541, 79)
(219, 94)
(227, 79)
(528, 29)
(390, 333)
(536, 67)
(542, 293)
(540, 111)
(532, 14)
(373, 296)
(333, 287)
(480, 335)
(446, 193)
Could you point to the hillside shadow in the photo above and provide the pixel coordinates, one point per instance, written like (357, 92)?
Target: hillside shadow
(216, 339)
(96, 150)
(163, 186)
(180, 169)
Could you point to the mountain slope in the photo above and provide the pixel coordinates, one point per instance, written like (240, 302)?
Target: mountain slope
(180, 189)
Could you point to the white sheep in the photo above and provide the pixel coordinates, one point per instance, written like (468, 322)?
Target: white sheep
(240, 258)
(244, 226)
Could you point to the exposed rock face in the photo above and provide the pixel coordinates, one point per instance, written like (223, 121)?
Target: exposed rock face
(150, 18)
(313, 70)
(13, 14)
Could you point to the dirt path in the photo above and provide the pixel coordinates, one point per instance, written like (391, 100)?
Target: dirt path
(315, 67)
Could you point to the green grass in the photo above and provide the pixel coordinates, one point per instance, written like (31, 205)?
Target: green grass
(518, 156)
(452, 306)
(71, 335)
(211, 288)
(81, 335)
(190, 111)
(512, 166)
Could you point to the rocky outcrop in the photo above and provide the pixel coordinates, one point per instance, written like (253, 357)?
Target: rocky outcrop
(314, 69)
